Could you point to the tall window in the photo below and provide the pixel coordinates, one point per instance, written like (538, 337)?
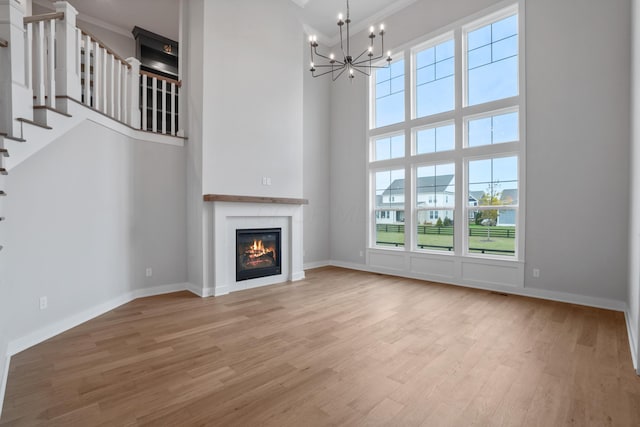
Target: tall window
(447, 178)
(389, 94)
(434, 76)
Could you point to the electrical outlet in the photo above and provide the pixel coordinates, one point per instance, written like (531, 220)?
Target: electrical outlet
(268, 180)
(536, 273)
(149, 272)
(264, 180)
(44, 303)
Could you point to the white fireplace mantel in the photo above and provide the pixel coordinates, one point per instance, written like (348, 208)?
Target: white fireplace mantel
(224, 214)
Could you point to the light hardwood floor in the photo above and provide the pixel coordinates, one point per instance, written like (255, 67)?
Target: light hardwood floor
(339, 348)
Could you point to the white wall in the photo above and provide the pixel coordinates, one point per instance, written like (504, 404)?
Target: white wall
(633, 316)
(252, 113)
(86, 216)
(316, 125)
(577, 141)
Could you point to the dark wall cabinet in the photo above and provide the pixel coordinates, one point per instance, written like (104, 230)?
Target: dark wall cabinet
(157, 55)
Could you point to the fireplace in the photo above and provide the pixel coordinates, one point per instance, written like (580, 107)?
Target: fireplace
(258, 253)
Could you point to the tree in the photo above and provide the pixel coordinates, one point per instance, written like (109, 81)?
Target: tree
(489, 198)
(439, 222)
(447, 222)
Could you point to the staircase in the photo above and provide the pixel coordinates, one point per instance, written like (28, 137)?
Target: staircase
(54, 75)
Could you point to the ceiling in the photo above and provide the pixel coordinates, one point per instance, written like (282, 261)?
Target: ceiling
(161, 16)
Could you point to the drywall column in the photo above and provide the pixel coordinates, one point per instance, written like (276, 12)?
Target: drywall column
(16, 100)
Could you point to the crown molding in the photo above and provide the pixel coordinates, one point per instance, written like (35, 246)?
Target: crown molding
(376, 17)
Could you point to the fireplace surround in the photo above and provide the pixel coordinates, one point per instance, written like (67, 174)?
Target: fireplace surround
(224, 214)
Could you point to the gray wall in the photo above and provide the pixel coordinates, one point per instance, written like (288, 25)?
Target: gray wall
(253, 94)
(634, 234)
(86, 216)
(577, 141)
(192, 55)
(578, 145)
(316, 137)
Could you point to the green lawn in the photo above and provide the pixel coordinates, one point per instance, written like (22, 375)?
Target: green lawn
(476, 243)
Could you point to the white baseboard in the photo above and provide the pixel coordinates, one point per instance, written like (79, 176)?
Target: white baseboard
(194, 289)
(316, 264)
(3, 380)
(596, 302)
(633, 341)
(298, 275)
(43, 334)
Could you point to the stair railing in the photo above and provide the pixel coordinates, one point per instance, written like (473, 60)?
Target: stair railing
(54, 61)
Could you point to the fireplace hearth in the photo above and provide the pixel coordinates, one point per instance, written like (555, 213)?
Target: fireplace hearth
(258, 253)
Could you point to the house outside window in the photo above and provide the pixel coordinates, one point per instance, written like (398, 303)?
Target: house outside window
(464, 127)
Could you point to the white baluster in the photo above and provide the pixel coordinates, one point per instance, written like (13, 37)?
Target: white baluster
(97, 76)
(154, 104)
(144, 102)
(117, 90)
(173, 109)
(29, 56)
(38, 65)
(51, 63)
(112, 85)
(123, 93)
(87, 71)
(105, 79)
(78, 50)
(164, 106)
(67, 67)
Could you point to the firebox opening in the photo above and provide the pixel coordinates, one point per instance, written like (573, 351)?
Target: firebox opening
(257, 253)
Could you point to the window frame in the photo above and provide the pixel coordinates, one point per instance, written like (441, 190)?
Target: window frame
(462, 153)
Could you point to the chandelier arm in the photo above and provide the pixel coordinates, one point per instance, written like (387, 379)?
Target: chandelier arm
(360, 71)
(325, 72)
(335, 66)
(344, 55)
(339, 74)
(327, 58)
(355, 60)
(369, 60)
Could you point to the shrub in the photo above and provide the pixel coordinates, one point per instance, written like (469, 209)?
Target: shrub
(447, 222)
(439, 222)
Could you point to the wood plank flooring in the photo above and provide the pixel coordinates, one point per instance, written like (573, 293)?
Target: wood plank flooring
(339, 348)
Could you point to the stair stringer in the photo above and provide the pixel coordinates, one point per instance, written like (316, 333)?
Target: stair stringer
(38, 138)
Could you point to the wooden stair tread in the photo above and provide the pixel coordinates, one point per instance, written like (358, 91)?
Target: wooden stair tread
(2, 193)
(55, 110)
(3, 171)
(4, 152)
(13, 138)
(31, 122)
(2, 218)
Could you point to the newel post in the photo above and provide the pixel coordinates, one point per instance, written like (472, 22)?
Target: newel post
(133, 104)
(67, 53)
(17, 97)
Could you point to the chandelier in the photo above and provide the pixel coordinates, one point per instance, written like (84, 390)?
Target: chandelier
(362, 63)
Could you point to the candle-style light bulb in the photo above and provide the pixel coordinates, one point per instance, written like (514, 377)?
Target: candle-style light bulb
(371, 29)
(381, 27)
(332, 56)
(389, 54)
(339, 17)
(370, 49)
(310, 39)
